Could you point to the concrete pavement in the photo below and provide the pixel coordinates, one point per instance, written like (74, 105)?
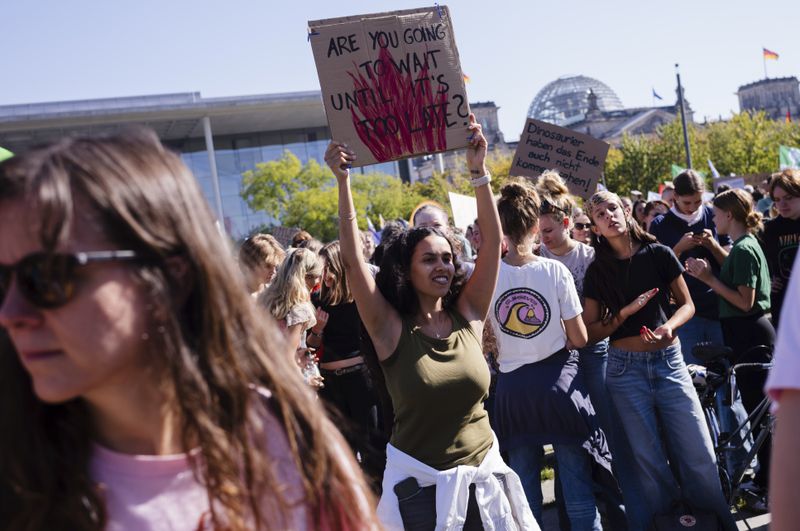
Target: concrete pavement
(745, 521)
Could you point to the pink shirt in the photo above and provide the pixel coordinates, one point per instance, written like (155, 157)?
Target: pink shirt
(161, 493)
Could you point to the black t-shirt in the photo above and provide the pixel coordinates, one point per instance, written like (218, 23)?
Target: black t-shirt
(781, 239)
(341, 337)
(652, 266)
(669, 229)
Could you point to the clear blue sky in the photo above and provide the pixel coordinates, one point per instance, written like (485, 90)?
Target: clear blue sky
(81, 49)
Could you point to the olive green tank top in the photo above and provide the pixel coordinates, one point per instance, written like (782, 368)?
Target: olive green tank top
(438, 387)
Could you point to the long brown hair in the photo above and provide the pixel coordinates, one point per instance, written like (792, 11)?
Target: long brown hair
(340, 292)
(212, 347)
(605, 273)
(288, 288)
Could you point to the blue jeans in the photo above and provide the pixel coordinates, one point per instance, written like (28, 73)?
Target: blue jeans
(592, 364)
(661, 414)
(699, 329)
(575, 475)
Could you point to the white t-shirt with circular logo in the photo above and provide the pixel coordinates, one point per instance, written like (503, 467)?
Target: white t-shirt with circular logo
(528, 305)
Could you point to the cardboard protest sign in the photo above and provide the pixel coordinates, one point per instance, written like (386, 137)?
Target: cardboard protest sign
(578, 158)
(392, 83)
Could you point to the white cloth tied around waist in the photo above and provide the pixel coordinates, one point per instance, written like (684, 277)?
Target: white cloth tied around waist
(501, 508)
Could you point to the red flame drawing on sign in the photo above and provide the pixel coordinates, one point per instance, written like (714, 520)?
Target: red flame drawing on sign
(419, 122)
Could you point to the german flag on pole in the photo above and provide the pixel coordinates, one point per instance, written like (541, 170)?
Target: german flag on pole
(769, 54)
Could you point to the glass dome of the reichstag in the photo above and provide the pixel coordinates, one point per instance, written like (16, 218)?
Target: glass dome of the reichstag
(566, 100)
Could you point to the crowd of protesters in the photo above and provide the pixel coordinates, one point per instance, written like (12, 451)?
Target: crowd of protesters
(404, 380)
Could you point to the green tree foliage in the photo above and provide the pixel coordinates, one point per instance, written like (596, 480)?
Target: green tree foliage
(670, 149)
(386, 196)
(437, 188)
(457, 180)
(747, 143)
(305, 195)
(272, 184)
(634, 165)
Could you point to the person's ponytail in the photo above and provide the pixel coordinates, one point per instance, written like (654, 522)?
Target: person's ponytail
(754, 221)
(740, 205)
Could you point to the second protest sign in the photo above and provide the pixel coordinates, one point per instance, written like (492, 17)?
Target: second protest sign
(578, 158)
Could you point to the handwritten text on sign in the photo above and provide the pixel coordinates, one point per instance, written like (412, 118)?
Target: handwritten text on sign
(392, 83)
(578, 158)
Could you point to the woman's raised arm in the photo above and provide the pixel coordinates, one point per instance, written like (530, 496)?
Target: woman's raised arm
(477, 295)
(379, 317)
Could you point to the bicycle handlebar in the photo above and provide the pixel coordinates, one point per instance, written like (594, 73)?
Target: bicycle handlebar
(762, 366)
(708, 352)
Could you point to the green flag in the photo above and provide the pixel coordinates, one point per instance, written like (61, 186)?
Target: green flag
(677, 170)
(789, 158)
(5, 154)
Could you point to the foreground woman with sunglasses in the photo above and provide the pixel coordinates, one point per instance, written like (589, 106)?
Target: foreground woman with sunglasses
(140, 387)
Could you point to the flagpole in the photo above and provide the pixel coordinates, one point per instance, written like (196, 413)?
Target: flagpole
(683, 120)
(764, 58)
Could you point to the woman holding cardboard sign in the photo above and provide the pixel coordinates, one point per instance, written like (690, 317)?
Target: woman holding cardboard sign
(443, 462)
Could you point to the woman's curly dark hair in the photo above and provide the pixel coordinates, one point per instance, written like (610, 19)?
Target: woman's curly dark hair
(394, 277)
(394, 282)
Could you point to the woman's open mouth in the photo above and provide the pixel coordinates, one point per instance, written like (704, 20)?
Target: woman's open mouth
(441, 279)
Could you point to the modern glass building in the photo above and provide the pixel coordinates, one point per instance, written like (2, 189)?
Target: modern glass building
(218, 138)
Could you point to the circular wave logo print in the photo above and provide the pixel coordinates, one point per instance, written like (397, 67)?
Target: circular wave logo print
(522, 312)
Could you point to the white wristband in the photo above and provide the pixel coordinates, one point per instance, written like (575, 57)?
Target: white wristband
(480, 181)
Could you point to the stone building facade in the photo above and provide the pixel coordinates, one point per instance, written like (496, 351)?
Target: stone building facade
(777, 97)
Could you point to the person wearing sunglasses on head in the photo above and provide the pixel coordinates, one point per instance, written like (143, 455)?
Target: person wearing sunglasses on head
(141, 387)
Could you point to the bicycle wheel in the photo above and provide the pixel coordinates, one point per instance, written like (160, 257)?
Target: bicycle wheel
(725, 482)
(714, 431)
